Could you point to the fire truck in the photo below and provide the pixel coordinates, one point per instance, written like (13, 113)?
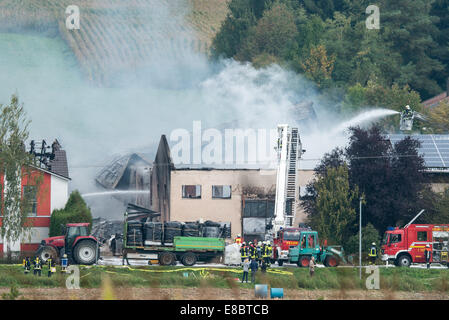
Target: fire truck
(404, 246)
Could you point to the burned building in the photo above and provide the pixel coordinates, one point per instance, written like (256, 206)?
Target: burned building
(129, 172)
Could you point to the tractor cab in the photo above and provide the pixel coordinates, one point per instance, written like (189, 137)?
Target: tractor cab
(308, 246)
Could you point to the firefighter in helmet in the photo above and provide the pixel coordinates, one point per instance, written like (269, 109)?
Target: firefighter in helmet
(427, 255)
(252, 251)
(37, 264)
(372, 255)
(243, 251)
(26, 265)
(238, 239)
(407, 113)
(267, 253)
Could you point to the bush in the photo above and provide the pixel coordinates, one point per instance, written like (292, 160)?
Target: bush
(369, 235)
(75, 211)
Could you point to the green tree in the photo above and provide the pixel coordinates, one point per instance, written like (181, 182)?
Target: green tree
(234, 29)
(335, 212)
(274, 34)
(75, 211)
(318, 66)
(369, 235)
(15, 164)
(438, 118)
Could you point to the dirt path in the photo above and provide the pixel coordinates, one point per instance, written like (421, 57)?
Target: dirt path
(219, 294)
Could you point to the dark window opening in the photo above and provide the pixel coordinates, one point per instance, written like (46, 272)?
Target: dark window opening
(191, 191)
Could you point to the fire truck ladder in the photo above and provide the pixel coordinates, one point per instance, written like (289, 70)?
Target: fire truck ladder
(292, 177)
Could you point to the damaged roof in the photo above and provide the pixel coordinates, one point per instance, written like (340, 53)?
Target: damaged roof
(110, 176)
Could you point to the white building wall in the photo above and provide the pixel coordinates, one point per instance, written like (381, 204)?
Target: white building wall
(59, 193)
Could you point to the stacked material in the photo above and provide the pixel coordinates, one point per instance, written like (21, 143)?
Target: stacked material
(172, 229)
(153, 233)
(232, 255)
(134, 236)
(191, 229)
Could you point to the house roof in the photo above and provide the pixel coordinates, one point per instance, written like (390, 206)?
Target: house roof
(432, 102)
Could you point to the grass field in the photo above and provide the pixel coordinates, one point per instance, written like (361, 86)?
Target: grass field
(401, 280)
(117, 35)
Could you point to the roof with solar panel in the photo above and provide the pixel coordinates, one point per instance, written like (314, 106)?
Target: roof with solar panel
(434, 148)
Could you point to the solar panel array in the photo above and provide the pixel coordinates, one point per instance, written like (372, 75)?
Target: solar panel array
(434, 148)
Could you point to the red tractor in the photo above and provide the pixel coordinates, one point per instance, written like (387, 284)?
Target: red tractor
(76, 243)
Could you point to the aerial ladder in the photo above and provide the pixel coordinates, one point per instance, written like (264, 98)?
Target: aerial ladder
(289, 150)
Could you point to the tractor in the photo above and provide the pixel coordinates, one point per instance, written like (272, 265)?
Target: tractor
(80, 247)
(308, 246)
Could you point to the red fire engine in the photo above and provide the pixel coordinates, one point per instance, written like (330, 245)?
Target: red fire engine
(285, 238)
(407, 245)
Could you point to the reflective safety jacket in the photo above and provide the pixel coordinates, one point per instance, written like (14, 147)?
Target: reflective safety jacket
(373, 252)
(252, 252)
(37, 264)
(244, 252)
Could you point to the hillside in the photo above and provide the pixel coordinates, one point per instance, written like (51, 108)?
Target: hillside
(117, 35)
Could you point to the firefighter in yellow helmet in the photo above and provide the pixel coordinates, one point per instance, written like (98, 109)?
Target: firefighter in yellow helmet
(372, 255)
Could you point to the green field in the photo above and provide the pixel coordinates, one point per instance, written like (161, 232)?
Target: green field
(394, 279)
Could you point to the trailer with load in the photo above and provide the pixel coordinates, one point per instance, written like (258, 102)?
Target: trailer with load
(166, 243)
(308, 247)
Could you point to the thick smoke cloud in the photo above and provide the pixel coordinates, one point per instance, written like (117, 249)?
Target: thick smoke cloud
(174, 86)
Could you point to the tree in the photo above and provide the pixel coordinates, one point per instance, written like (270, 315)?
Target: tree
(389, 176)
(369, 235)
(438, 118)
(274, 34)
(75, 211)
(335, 213)
(15, 164)
(318, 66)
(234, 29)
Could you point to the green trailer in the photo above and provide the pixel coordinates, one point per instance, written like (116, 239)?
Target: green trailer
(187, 250)
(308, 247)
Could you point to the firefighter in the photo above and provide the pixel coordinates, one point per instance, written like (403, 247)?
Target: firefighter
(259, 253)
(64, 263)
(427, 255)
(372, 255)
(238, 239)
(268, 253)
(26, 265)
(252, 251)
(51, 266)
(37, 264)
(244, 251)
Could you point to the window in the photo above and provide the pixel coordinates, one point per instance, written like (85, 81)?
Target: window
(291, 235)
(191, 191)
(30, 193)
(394, 238)
(421, 235)
(258, 209)
(221, 192)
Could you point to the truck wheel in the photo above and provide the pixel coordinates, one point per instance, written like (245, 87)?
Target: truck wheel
(166, 259)
(47, 252)
(404, 261)
(303, 262)
(280, 263)
(85, 252)
(188, 259)
(331, 262)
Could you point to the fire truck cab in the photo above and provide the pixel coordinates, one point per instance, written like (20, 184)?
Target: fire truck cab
(284, 240)
(407, 245)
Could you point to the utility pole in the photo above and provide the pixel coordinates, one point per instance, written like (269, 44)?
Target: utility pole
(360, 238)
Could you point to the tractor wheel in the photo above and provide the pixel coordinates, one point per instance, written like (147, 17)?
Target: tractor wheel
(331, 262)
(85, 252)
(188, 259)
(404, 261)
(280, 263)
(304, 262)
(48, 252)
(166, 259)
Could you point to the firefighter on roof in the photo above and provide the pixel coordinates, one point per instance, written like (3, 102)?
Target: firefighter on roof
(372, 255)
